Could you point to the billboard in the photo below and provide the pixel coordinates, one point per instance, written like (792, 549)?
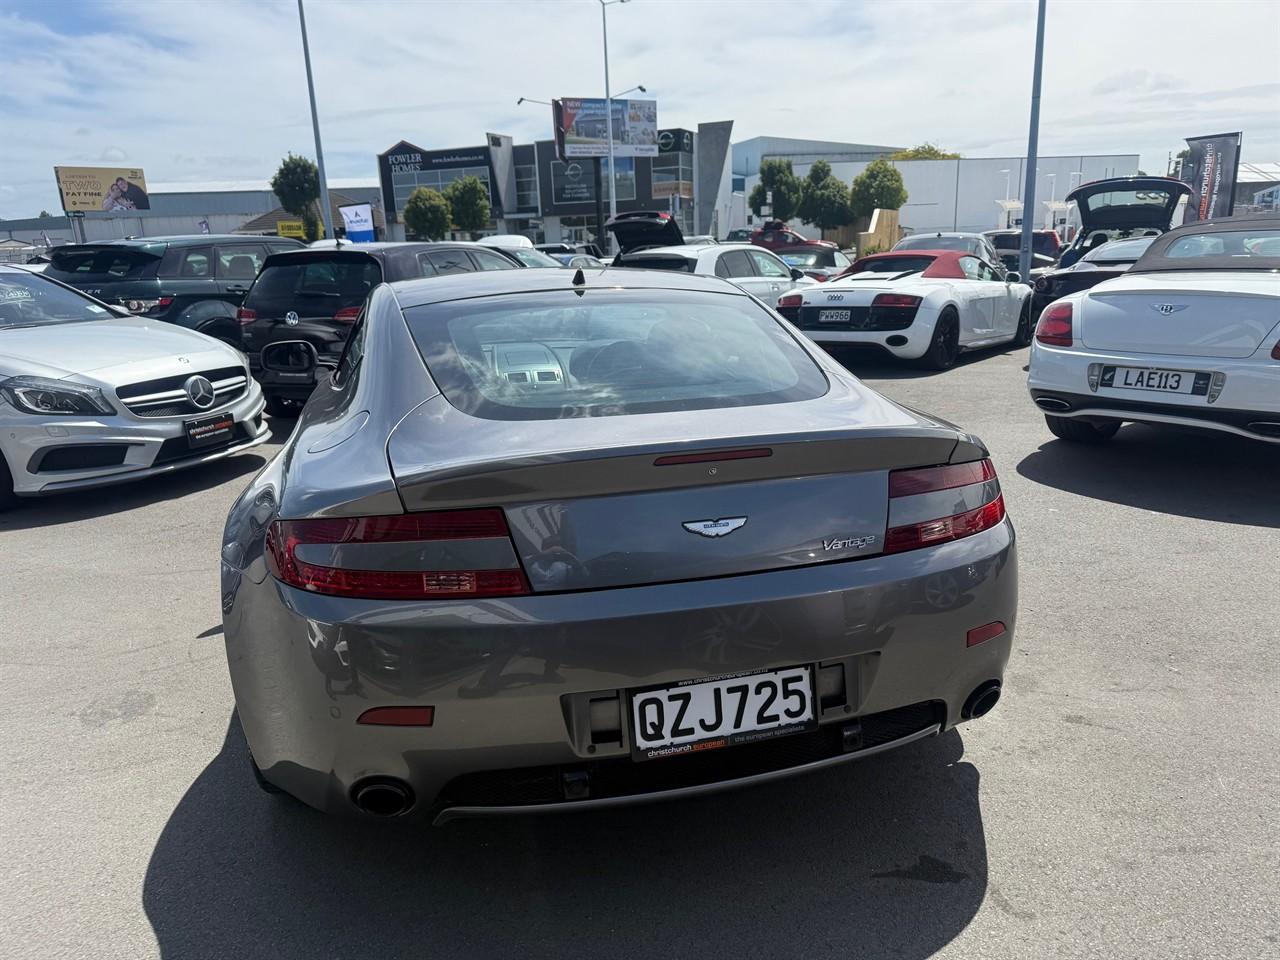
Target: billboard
(1210, 172)
(291, 228)
(358, 220)
(102, 189)
(582, 128)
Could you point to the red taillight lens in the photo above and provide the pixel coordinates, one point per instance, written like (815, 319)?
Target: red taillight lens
(912, 494)
(244, 315)
(162, 304)
(284, 537)
(347, 315)
(1054, 327)
(898, 300)
(790, 300)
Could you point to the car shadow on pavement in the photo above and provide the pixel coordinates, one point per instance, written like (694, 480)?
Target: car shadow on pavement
(871, 365)
(885, 857)
(1208, 476)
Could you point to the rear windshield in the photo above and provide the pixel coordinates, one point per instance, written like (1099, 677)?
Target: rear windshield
(1119, 251)
(1235, 243)
(314, 287)
(27, 300)
(658, 262)
(925, 242)
(532, 258)
(608, 352)
(1043, 243)
(815, 258)
(893, 265)
(103, 263)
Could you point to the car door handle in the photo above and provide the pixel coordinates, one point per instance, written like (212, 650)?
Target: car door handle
(231, 289)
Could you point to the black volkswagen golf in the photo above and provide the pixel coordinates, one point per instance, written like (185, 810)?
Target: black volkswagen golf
(316, 295)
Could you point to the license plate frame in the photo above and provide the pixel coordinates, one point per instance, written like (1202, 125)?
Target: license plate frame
(209, 431)
(835, 316)
(721, 739)
(1198, 382)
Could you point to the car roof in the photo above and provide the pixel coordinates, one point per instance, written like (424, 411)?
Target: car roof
(493, 283)
(381, 249)
(185, 239)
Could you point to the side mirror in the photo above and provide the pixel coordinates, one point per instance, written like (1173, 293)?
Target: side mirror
(1013, 276)
(292, 358)
(797, 273)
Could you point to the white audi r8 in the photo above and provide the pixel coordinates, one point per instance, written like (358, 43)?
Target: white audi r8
(1189, 336)
(923, 305)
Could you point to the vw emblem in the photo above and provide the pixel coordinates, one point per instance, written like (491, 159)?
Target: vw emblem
(199, 392)
(1164, 309)
(835, 296)
(714, 528)
(291, 318)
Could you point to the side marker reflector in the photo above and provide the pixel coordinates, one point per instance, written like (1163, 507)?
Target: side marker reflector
(398, 716)
(984, 633)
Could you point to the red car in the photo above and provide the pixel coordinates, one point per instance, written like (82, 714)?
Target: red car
(775, 234)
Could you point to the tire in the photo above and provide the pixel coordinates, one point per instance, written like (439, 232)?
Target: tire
(944, 348)
(279, 407)
(8, 499)
(1023, 335)
(1081, 431)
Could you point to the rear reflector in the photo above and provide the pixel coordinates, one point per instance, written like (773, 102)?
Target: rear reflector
(984, 633)
(245, 315)
(1054, 327)
(398, 716)
(285, 536)
(976, 479)
(712, 456)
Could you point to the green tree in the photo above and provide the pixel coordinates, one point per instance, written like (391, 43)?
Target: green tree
(297, 184)
(878, 186)
(824, 201)
(469, 200)
(925, 151)
(776, 176)
(45, 213)
(427, 214)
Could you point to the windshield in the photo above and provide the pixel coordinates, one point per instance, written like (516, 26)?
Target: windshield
(815, 258)
(28, 300)
(893, 265)
(934, 242)
(609, 352)
(314, 288)
(532, 258)
(1119, 251)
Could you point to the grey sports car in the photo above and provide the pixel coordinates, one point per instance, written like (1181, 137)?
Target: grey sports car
(563, 540)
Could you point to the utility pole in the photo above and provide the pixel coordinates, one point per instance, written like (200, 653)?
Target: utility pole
(1033, 142)
(325, 213)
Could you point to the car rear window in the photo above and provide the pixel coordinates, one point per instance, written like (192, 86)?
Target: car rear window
(1234, 243)
(314, 287)
(926, 242)
(75, 264)
(641, 261)
(1119, 251)
(608, 352)
(1042, 243)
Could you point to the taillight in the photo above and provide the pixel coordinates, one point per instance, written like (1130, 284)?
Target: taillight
(1054, 327)
(933, 505)
(246, 316)
(902, 301)
(307, 554)
(790, 300)
(1275, 351)
(347, 315)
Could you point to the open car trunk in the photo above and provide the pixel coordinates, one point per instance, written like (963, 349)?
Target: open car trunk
(1128, 203)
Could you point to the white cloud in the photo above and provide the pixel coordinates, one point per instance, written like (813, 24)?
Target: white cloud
(218, 92)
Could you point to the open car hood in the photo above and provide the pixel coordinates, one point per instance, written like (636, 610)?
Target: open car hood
(636, 231)
(1128, 202)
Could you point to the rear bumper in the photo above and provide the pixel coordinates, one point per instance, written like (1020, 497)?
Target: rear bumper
(511, 679)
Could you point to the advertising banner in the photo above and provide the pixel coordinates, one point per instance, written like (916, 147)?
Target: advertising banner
(291, 228)
(102, 189)
(582, 130)
(572, 182)
(358, 219)
(1210, 171)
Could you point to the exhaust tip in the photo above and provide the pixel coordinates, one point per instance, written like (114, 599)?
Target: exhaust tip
(382, 796)
(981, 701)
(1052, 403)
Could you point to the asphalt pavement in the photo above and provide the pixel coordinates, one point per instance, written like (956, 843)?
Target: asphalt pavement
(1122, 800)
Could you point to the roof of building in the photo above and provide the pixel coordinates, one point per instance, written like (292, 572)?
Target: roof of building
(251, 186)
(1258, 173)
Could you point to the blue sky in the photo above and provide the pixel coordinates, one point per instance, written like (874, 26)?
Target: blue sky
(194, 91)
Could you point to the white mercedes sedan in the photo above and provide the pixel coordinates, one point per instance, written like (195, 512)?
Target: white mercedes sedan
(1189, 336)
(89, 397)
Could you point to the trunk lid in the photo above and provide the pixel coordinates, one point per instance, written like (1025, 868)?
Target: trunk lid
(1128, 203)
(599, 502)
(642, 229)
(104, 268)
(1202, 314)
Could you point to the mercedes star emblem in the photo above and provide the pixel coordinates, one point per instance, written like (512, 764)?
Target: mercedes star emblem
(199, 392)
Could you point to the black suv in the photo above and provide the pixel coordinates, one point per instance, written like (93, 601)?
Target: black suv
(316, 295)
(196, 281)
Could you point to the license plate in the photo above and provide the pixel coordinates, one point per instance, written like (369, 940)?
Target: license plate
(833, 316)
(1161, 381)
(709, 714)
(209, 431)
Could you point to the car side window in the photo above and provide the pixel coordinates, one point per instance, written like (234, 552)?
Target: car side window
(971, 267)
(352, 353)
(196, 263)
(450, 261)
(240, 261)
(768, 266)
(488, 260)
(840, 260)
(734, 264)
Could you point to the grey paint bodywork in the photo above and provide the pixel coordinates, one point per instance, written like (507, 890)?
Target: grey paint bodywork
(588, 508)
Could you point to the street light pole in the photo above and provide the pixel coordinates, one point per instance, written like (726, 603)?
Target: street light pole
(608, 107)
(326, 215)
(1033, 139)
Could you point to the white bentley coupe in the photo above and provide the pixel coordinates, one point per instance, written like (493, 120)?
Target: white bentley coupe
(1189, 336)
